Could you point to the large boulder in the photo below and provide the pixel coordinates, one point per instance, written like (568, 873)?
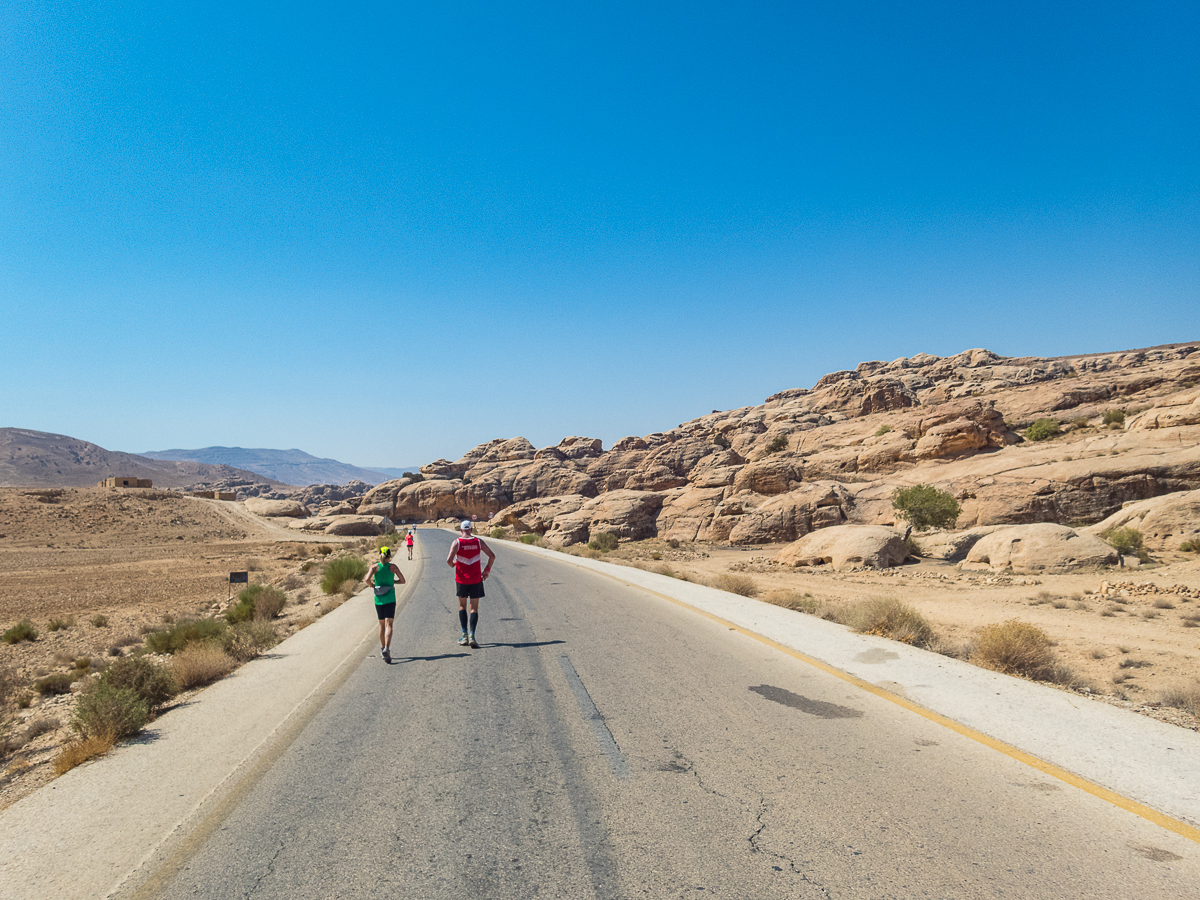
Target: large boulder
(291, 509)
(345, 526)
(951, 545)
(846, 546)
(1165, 522)
(1182, 411)
(1043, 547)
(631, 515)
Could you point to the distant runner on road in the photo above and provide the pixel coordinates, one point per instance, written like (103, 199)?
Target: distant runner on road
(384, 575)
(408, 542)
(468, 578)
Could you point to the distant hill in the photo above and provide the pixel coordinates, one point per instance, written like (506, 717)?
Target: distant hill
(288, 466)
(39, 459)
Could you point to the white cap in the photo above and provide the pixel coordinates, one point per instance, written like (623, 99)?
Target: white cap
(466, 525)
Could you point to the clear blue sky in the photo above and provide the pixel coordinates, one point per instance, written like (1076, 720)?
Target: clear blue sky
(387, 232)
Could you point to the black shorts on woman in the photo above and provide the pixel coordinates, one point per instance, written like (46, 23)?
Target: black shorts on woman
(386, 610)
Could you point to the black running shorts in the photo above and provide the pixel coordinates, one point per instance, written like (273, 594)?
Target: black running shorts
(472, 591)
(386, 610)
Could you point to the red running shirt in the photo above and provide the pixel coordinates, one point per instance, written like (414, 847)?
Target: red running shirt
(466, 562)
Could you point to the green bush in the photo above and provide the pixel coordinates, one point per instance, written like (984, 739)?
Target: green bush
(58, 683)
(100, 621)
(59, 624)
(1192, 546)
(109, 712)
(258, 602)
(882, 430)
(777, 443)
(415, 476)
(341, 569)
(924, 506)
(496, 533)
(153, 683)
(1127, 542)
(22, 631)
(605, 541)
(1042, 430)
(531, 538)
(181, 634)
(1114, 417)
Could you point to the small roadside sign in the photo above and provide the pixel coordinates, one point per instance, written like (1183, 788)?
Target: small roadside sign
(236, 578)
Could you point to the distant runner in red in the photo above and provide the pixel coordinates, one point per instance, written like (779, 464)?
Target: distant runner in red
(408, 542)
(468, 578)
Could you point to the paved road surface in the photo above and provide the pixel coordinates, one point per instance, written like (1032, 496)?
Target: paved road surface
(602, 743)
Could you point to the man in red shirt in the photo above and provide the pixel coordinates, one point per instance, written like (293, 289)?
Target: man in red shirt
(468, 578)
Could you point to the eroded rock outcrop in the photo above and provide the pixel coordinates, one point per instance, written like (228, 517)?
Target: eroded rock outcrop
(1044, 547)
(847, 546)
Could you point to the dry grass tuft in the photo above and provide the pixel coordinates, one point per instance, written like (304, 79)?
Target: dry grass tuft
(199, 664)
(81, 751)
(743, 585)
(1017, 648)
(1183, 696)
(888, 617)
(805, 603)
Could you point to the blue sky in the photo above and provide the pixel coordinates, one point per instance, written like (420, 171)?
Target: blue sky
(385, 233)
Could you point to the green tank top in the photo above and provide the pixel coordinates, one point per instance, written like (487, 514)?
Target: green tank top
(384, 577)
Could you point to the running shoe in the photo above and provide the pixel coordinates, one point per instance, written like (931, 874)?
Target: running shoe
(464, 640)
(387, 655)
(471, 642)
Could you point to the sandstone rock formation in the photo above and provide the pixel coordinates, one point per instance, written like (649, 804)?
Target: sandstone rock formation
(847, 546)
(829, 456)
(1043, 547)
(346, 526)
(1165, 522)
(293, 509)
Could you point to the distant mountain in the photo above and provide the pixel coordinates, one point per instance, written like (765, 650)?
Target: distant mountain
(39, 459)
(289, 466)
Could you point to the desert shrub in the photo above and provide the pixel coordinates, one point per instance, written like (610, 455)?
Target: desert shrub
(805, 603)
(415, 476)
(496, 533)
(59, 624)
(605, 541)
(199, 664)
(187, 631)
(721, 440)
(1192, 546)
(882, 430)
(22, 631)
(246, 640)
(673, 543)
(99, 621)
(742, 585)
(1182, 696)
(109, 712)
(889, 618)
(925, 507)
(260, 602)
(531, 538)
(341, 569)
(1015, 648)
(58, 683)
(1080, 422)
(1042, 430)
(777, 443)
(1127, 542)
(77, 752)
(1114, 417)
(153, 683)
(10, 684)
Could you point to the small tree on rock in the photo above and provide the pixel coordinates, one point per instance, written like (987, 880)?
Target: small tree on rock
(924, 506)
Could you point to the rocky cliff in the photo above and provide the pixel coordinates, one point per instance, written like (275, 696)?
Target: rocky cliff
(833, 454)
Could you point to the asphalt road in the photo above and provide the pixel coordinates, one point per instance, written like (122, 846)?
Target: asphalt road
(603, 743)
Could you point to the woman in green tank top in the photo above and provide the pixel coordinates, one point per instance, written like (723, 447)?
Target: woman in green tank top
(384, 576)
